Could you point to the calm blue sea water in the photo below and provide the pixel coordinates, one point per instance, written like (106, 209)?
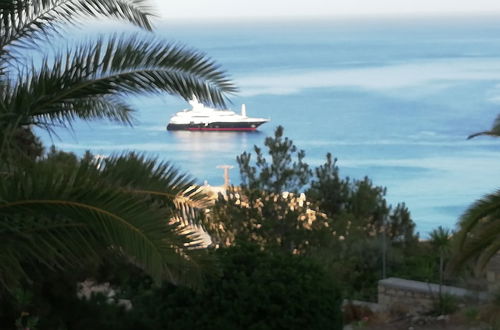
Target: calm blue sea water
(391, 99)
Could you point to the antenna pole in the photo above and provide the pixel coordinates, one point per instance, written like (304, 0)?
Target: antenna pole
(226, 169)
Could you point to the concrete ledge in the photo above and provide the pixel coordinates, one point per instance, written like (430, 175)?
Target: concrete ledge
(406, 296)
(429, 288)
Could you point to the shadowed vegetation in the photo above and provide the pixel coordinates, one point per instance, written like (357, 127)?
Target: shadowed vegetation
(58, 211)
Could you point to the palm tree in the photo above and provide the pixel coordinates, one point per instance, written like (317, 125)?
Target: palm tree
(90, 81)
(56, 216)
(440, 239)
(62, 215)
(478, 235)
(479, 227)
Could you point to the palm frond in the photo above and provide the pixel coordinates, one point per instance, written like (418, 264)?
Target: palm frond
(494, 131)
(24, 22)
(9, 124)
(58, 216)
(160, 181)
(478, 237)
(90, 81)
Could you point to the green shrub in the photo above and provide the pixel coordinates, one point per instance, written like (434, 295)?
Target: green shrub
(445, 304)
(252, 289)
(471, 314)
(255, 290)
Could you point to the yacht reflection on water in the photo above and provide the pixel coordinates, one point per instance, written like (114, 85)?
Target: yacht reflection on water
(201, 152)
(225, 141)
(200, 142)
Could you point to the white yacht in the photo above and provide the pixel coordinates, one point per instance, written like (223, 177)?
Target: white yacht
(201, 118)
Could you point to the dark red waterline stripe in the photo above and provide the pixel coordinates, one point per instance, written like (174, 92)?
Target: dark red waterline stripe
(223, 129)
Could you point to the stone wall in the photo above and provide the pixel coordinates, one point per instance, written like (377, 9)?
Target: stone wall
(399, 295)
(493, 274)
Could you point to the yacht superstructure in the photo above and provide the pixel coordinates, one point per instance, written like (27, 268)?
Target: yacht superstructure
(201, 118)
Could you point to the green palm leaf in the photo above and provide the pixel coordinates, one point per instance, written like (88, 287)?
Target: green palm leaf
(24, 22)
(494, 131)
(160, 180)
(58, 217)
(90, 81)
(478, 238)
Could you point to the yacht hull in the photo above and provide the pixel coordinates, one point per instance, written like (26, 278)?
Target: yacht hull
(216, 126)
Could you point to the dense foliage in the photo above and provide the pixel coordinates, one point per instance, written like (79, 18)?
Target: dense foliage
(252, 289)
(283, 204)
(59, 213)
(255, 290)
(477, 238)
(285, 235)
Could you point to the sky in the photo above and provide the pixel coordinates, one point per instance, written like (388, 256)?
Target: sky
(233, 9)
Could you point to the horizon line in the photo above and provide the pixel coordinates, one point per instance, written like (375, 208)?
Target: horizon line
(319, 17)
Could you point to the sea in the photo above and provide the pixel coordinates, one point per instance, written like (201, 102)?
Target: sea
(391, 98)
